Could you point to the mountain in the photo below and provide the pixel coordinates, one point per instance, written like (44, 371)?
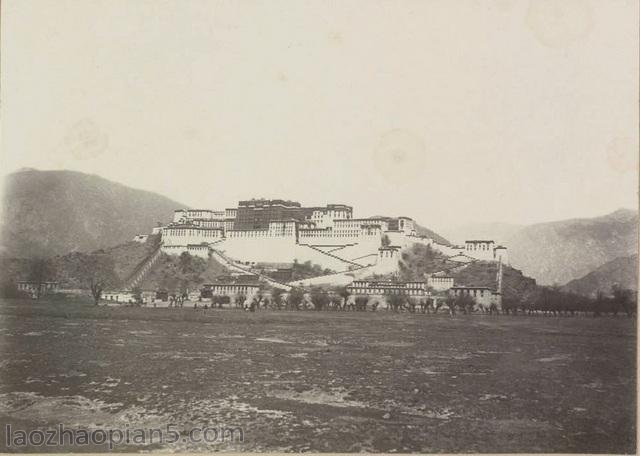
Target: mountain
(422, 231)
(558, 252)
(561, 251)
(48, 213)
(622, 271)
(499, 232)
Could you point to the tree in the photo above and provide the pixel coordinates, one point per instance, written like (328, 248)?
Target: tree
(320, 298)
(450, 302)
(276, 297)
(361, 303)
(623, 298)
(396, 301)
(465, 302)
(99, 274)
(137, 295)
(186, 263)
(296, 296)
(598, 304)
(413, 303)
(344, 294)
(40, 271)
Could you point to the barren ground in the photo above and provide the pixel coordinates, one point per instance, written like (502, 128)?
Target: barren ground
(324, 381)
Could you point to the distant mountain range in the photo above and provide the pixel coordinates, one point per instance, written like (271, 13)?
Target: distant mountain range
(49, 213)
(622, 271)
(562, 251)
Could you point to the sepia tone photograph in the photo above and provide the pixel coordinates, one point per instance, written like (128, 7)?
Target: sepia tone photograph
(364, 226)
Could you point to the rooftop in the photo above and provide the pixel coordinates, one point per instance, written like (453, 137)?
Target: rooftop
(268, 202)
(460, 287)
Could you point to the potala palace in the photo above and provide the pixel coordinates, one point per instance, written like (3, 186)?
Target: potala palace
(260, 231)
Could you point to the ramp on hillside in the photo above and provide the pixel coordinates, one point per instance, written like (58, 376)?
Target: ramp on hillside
(233, 266)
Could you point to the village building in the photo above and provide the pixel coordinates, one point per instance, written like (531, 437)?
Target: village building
(480, 249)
(119, 297)
(483, 296)
(232, 286)
(381, 288)
(32, 287)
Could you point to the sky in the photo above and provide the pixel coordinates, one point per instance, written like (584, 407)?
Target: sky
(448, 112)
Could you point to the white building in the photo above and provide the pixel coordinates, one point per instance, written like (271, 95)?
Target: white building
(31, 287)
(120, 297)
(282, 228)
(484, 296)
(184, 215)
(324, 217)
(406, 225)
(479, 249)
(486, 250)
(185, 234)
(440, 283)
(501, 254)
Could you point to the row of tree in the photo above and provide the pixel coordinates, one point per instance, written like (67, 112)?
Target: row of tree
(554, 301)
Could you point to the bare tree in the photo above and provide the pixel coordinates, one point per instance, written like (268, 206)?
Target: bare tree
(40, 271)
(99, 274)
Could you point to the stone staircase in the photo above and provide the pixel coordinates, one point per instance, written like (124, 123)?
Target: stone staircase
(141, 270)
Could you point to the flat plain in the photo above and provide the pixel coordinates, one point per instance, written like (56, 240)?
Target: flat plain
(322, 381)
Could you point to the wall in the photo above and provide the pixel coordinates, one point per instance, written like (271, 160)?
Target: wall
(449, 251)
(201, 251)
(502, 254)
(184, 235)
(387, 260)
(482, 297)
(440, 283)
(480, 251)
(242, 246)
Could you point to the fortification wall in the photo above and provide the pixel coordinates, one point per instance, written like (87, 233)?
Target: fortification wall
(258, 249)
(449, 251)
(201, 251)
(304, 253)
(365, 246)
(440, 283)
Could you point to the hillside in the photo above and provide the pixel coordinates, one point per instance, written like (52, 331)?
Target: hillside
(47, 213)
(419, 260)
(515, 285)
(181, 273)
(499, 232)
(173, 273)
(622, 271)
(558, 252)
(422, 231)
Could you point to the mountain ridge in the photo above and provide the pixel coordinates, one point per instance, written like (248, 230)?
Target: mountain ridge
(47, 213)
(559, 251)
(622, 271)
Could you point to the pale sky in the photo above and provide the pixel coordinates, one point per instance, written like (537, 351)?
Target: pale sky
(446, 111)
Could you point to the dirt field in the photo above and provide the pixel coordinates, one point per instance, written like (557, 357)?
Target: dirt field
(326, 381)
